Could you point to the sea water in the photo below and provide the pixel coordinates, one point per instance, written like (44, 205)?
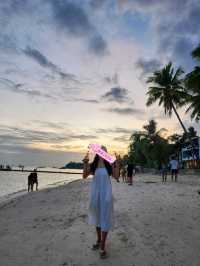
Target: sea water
(14, 183)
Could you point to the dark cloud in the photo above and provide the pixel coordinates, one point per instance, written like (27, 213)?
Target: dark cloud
(114, 79)
(12, 139)
(127, 111)
(188, 23)
(175, 24)
(51, 125)
(114, 130)
(19, 88)
(88, 100)
(67, 16)
(71, 17)
(98, 45)
(123, 138)
(36, 157)
(10, 7)
(116, 94)
(42, 60)
(7, 43)
(182, 50)
(16, 136)
(153, 5)
(39, 58)
(84, 137)
(82, 100)
(97, 3)
(178, 35)
(147, 66)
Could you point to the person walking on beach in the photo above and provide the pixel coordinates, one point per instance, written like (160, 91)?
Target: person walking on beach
(123, 173)
(101, 200)
(116, 168)
(174, 168)
(130, 173)
(164, 172)
(32, 179)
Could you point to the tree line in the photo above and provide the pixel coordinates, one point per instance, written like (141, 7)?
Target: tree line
(172, 89)
(149, 148)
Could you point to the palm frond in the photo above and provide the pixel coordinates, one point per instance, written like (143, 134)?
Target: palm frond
(196, 52)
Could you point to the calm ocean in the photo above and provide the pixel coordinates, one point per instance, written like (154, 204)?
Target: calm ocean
(13, 184)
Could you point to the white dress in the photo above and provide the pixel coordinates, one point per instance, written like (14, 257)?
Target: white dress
(101, 200)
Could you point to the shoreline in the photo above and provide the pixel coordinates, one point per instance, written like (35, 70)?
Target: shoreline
(155, 224)
(154, 179)
(14, 195)
(41, 171)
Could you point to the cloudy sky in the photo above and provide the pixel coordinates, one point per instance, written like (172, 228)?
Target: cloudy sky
(73, 72)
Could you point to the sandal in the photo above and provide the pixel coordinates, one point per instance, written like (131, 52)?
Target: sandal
(103, 254)
(96, 246)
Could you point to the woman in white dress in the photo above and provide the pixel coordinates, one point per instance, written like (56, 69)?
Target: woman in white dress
(101, 200)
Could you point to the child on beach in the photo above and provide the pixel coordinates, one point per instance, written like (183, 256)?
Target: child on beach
(164, 172)
(174, 168)
(123, 174)
(101, 199)
(130, 173)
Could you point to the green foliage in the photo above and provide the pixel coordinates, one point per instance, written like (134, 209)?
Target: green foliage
(167, 88)
(148, 148)
(192, 83)
(73, 165)
(196, 52)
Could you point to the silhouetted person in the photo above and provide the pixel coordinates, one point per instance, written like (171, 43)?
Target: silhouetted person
(174, 168)
(164, 172)
(123, 173)
(32, 179)
(130, 172)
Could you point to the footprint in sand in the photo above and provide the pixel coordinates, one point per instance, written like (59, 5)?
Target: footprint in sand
(190, 227)
(65, 237)
(42, 201)
(123, 237)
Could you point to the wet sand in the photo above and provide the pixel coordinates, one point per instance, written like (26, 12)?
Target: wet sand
(155, 224)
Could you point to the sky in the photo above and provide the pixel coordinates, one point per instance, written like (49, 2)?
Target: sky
(73, 73)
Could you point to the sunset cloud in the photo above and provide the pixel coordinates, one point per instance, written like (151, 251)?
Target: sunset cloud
(72, 72)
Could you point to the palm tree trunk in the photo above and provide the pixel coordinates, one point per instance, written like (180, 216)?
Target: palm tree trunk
(185, 130)
(179, 119)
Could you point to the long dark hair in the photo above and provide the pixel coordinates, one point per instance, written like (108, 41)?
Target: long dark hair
(94, 164)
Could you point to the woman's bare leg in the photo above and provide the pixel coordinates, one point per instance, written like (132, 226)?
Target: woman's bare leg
(103, 239)
(98, 230)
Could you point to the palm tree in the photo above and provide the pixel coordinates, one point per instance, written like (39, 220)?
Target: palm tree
(167, 88)
(192, 82)
(151, 128)
(196, 52)
(151, 131)
(148, 148)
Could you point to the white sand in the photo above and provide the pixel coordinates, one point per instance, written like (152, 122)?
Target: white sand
(156, 224)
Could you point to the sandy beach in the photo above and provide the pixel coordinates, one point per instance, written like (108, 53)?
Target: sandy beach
(155, 224)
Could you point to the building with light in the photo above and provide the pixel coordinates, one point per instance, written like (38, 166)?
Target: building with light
(190, 156)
